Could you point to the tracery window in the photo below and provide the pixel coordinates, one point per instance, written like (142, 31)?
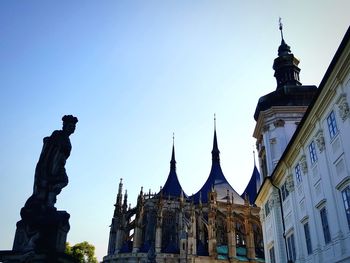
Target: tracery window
(149, 229)
(202, 238)
(221, 231)
(240, 234)
(258, 241)
(169, 232)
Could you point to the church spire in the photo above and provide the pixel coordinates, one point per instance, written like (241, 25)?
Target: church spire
(173, 162)
(120, 194)
(172, 185)
(286, 65)
(215, 153)
(216, 181)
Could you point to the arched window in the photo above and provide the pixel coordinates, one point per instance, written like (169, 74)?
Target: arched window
(240, 234)
(258, 241)
(221, 231)
(169, 232)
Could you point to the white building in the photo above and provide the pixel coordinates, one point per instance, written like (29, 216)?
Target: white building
(305, 161)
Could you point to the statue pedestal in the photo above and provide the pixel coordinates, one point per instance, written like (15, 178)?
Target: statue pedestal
(40, 237)
(45, 232)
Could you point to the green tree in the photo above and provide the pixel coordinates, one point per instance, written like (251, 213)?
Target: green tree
(83, 252)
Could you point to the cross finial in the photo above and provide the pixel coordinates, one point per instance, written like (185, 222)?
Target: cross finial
(280, 27)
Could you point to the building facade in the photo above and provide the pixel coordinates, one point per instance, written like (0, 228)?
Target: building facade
(304, 155)
(214, 225)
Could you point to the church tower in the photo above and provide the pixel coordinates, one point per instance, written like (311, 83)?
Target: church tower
(278, 113)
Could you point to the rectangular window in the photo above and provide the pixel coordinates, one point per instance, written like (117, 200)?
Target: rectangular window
(267, 209)
(284, 191)
(312, 152)
(291, 247)
(332, 125)
(325, 226)
(263, 164)
(298, 173)
(307, 238)
(346, 200)
(272, 255)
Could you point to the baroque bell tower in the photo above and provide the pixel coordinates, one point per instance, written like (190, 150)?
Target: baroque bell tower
(278, 113)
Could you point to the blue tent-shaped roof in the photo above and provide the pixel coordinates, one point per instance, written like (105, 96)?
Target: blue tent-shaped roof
(252, 188)
(216, 181)
(172, 185)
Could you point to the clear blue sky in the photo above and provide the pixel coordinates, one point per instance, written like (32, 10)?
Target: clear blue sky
(134, 72)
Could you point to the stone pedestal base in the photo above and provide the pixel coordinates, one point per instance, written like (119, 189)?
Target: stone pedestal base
(42, 233)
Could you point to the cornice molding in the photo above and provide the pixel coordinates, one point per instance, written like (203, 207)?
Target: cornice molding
(275, 110)
(344, 69)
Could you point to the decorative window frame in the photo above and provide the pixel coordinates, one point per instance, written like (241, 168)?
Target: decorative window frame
(343, 107)
(320, 142)
(290, 183)
(303, 164)
(284, 190)
(279, 123)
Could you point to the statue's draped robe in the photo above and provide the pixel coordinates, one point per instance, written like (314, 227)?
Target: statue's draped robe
(50, 174)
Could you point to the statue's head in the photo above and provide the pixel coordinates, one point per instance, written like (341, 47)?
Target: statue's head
(69, 122)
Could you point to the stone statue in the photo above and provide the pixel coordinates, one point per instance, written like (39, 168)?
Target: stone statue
(50, 174)
(43, 228)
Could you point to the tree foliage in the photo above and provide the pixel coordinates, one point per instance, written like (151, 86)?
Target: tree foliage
(83, 252)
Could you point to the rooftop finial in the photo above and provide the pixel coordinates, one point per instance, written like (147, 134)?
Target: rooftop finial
(254, 156)
(214, 121)
(215, 152)
(280, 27)
(172, 161)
